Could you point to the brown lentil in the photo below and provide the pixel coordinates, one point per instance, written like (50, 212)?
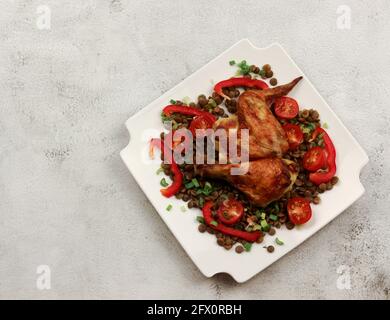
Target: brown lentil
(202, 100)
(316, 200)
(239, 249)
(269, 74)
(322, 186)
(273, 82)
(267, 67)
(270, 249)
(290, 225)
(220, 242)
(260, 240)
(334, 180)
(271, 231)
(202, 228)
(227, 246)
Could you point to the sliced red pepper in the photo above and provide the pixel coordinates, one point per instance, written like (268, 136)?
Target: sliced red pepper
(189, 111)
(325, 176)
(177, 181)
(239, 82)
(177, 174)
(208, 218)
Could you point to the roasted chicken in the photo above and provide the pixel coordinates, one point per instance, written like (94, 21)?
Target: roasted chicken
(268, 176)
(266, 136)
(266, 180)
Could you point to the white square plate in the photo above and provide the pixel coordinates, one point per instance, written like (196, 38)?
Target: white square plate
(202, 248)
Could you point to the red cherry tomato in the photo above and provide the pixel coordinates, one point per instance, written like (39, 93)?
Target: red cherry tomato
(314, 159)
(294, 135)
(230, 211)
(286, 108)
(200, 122)
(299, 210)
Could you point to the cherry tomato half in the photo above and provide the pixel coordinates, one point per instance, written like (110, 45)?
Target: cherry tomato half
(286, 108)
(294, 135)
(200, 122)
(230, 211)
(314, 159)
(299, 210)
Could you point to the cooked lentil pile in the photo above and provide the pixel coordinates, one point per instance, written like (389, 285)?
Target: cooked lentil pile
(197, 190)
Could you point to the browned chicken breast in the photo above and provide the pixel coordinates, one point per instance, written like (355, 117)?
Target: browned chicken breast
(266, 136)
(266, 180)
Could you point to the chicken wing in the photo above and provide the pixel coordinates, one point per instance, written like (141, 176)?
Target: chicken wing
(266, 136)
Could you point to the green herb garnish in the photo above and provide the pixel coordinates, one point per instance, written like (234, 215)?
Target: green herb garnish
(200, 219)
(279, 242)
(214, 223)
(212, 103)
(262, 216)
(172, 101)
(247, 246)
(163, 183)
(159, 170)
(183, 208)
(232, 62)
(325, 125)
(273, 217)
(169, 207)
(201, 202)
(195, 183)
(189, 185)
(264, 225)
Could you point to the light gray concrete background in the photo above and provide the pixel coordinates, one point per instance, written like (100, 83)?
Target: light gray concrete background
(67, 200)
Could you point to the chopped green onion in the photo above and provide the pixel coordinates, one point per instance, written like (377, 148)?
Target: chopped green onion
(262, 73)
(264, 225)
(189, 185)
(172, 101)
(200, 219)
(201, 202)
(214, 223)
(273, 217)
(169, 207)
(276, 206)
(279, 242)
(247, 246)
(159, 170)
(325, 125)
(163, 183)
(195, 183)
(256, 227)
(262, 216)
(212, 103)
(183, 208)
(232, 62)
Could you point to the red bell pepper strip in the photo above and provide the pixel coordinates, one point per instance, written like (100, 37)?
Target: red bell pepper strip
(189, 111)
(325, 176)
(177, 181)
(239, 82)
(177, 174)
(208, 218)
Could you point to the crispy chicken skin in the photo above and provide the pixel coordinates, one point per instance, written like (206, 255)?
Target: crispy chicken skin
(268, 176)
(267, 179)
(266, 136)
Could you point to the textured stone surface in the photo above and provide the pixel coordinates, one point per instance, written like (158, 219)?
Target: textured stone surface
(67, 200)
